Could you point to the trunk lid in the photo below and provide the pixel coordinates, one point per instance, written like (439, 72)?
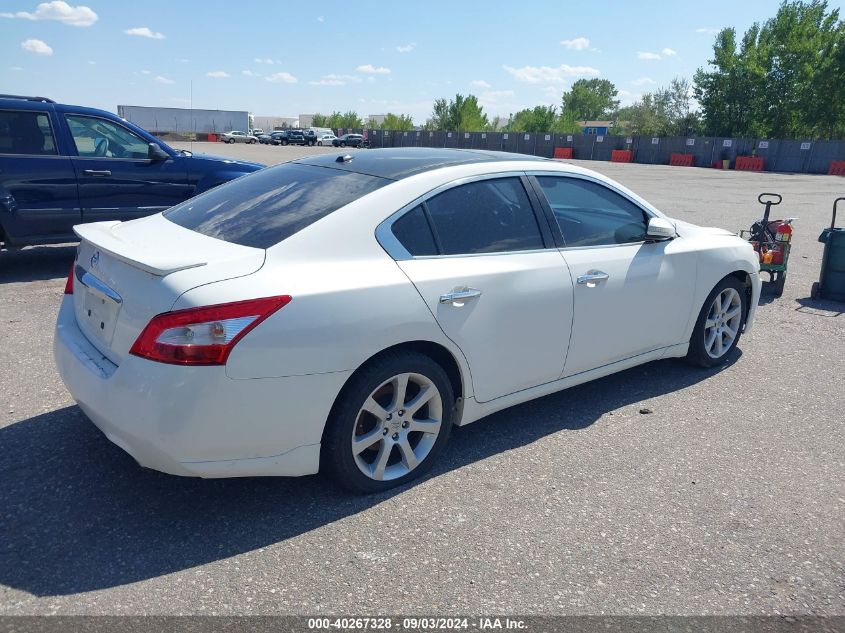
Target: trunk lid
(128, 272)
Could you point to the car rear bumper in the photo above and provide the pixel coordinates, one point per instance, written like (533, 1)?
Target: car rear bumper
(196, 421)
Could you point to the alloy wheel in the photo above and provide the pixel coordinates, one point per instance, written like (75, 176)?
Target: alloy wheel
(397, 426)
(723, 321)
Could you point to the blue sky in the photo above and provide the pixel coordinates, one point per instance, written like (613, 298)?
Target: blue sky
(283, 59)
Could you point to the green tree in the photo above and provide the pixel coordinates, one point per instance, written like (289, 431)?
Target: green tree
(320, 120)
(534, 120)
(589, 100)
(785, 79)
(399, 122)
(461, 114)
(346, 120)
(664, 112)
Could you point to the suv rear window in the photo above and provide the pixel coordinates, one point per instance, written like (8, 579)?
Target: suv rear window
(25, 132)
(266, 207)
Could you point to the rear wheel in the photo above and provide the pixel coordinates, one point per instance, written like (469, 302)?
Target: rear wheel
(343, 143)
(391, 421)
(230, 141)
(719, 325)
(284, 142)
(779, 283)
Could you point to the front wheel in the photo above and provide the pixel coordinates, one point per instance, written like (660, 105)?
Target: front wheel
(719, 325)
(389, 424)
(343, 143)
(320, 143)
(230, 141)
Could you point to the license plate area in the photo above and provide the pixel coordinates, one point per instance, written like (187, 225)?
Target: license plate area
(99, 308)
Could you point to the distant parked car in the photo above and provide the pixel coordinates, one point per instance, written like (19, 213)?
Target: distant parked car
(325, 139)
(310, 137)
(290, 137)
(351, 140)
(238, 137)
(257, 132)
(62, 165)
(265, 138)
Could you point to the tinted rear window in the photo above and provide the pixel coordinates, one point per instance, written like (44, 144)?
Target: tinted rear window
(266, 207)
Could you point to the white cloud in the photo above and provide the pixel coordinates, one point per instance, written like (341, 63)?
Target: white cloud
(15, 68)
(479, 83)
(668, 52)
(59, 11)
(282, 78)
(36, 46)
(577, 44)
(92, 62)
(643, 81)
(183, 60)
(144, 31)
(549, 74)
(335, 80)
(249, 73)
(320, 18)
(369, 68)
(707, 30)
(163, 80)
(217, 74)
(647, 55)
(146, 72)
(626, 97)
(266, 60)
(407, 48)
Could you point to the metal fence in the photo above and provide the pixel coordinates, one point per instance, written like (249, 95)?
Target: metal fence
(813, 157)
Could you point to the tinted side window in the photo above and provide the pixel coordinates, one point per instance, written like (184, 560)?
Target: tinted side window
(266, 207)
(487, 216)
(590, 214)
(414, 233)
(23, 132)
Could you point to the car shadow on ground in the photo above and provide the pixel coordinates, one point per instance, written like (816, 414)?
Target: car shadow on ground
(36, 264)
(78, 514)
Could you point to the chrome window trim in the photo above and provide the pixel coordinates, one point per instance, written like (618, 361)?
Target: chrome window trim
(588, 178)
(393, 247)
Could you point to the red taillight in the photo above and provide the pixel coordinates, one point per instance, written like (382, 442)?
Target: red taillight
(203, 336)
(69, 282)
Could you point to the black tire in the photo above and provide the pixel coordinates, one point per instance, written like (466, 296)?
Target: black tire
(697, 354)
(343, 143)
(252, 141)
(320, 143)
(779, 283)
(284, 142)
(814, 290)
(230, 141)
(336, 455)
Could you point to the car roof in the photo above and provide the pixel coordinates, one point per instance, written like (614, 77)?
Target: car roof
(396, 163)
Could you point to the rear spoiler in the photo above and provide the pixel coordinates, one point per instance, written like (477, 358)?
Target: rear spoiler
(100, 235)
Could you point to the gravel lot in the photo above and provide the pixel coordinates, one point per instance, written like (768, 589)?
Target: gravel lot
(728, 499)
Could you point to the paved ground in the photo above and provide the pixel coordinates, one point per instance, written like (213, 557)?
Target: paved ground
(728, 499)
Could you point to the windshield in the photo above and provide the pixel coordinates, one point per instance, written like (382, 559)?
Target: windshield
(264, 208)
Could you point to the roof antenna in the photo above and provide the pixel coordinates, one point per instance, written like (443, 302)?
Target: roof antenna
(346, 158)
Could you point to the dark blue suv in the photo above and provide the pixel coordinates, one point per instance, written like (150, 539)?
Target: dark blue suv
(62, 165)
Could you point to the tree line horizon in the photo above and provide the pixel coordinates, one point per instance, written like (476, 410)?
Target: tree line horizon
(785, 78)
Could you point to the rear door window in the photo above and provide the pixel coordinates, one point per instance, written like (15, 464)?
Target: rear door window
(486, 216)
(264, 208)
(26, 132)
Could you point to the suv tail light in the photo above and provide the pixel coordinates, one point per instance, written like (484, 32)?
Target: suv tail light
(69, 282)
(203, 336)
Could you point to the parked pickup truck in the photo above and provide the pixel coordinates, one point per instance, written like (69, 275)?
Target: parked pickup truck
(62, 165)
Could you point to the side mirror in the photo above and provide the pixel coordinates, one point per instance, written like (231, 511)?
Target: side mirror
(660, 229)
(156, 153)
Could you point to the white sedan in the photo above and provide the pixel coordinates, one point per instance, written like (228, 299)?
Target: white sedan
(325, 139)
(344, 312)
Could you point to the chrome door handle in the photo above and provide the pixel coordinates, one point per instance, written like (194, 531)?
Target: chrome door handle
(592, 278)
(96, 172)
(460, 295)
